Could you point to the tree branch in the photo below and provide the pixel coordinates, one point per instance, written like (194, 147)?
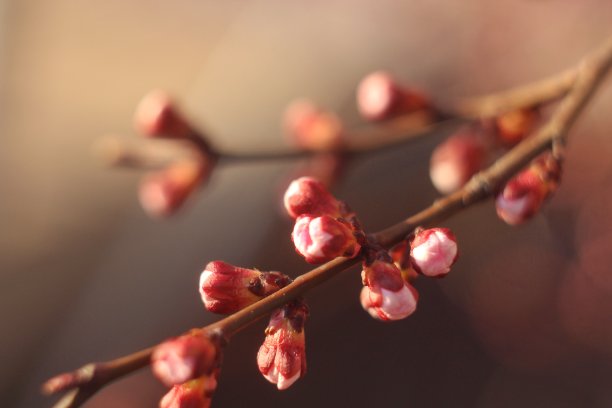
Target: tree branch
(578, 84)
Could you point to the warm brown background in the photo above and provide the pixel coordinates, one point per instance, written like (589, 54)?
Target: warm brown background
(525, 319)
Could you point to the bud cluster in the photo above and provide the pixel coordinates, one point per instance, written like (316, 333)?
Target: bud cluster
(324, 227)
(189, 364)
(164, 191)
(387, 293)
(466, 152)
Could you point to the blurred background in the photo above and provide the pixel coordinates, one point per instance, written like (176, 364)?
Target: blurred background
(524, 319)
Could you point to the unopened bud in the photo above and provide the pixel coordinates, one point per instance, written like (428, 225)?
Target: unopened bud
(380, 97)
(157, 116)
(184, 358)
(386, 296)
(313, 128)
(192, 394)
(321, 239)
(456, 160)
(225, 288)
(514, 126)
(163, 192)
(523, 195)
(433, 251)
(307, 195)
(282, 356)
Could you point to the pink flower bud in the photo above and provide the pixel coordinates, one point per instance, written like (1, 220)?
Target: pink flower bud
(380, 97)
(433, 251)
(312, 128)
(156, 116)
(282, 356)
(321, 239)
(307, 195)
(386, 296)
(514, 126)
(226, 288)
(183, 358)
(456, 160)
(192, 394)
(524, 194)
(163, 192)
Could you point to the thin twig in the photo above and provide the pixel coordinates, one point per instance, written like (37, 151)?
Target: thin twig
(398, 131)
(585, 80)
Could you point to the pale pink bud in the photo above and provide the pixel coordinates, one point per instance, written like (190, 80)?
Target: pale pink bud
(514, 126)
(433, 251)
(456, 160)
(157, 116)
(380, 97)
(386, 296)
(282, 356)
(313, 128)
(192, 394)
(225, 288)
(163, 192)
(183, 358)
(307, 195)
(321, 239)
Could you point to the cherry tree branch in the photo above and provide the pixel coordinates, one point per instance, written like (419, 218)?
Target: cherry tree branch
(389, 134)
(578, 86)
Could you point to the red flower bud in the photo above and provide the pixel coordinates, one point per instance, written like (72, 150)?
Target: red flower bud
(163, 192)
(456, 160)
(307, 195)
(514, 126)
(380, 97)
(386, 296)
(524, 194)
(192, 394)
(312, 128)
(226, 288)
(282, 356)
(433, 251)
(184, 358)
(156, 116)
(321, 239)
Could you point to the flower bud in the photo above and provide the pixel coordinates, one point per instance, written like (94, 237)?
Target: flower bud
(163, 192)
(156, 116)
(225, 288)
(514, 126)
(312, 128)
(183, 358)
(192, 394)
(282, 356)
(307, 195)
(433, 251)
(380, 97)
(386, 296)
(524, 194)
(456, 160)
(321, 239)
